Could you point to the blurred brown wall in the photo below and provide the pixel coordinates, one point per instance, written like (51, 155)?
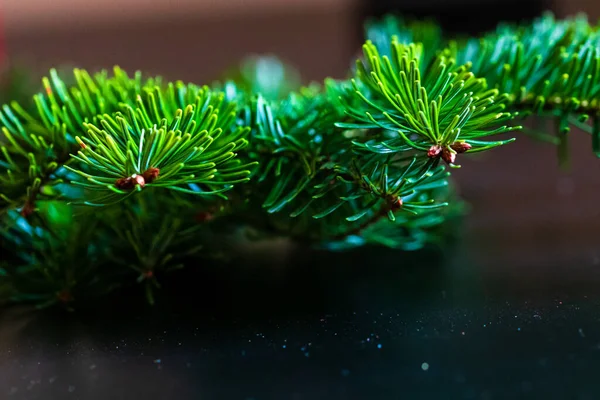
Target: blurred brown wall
(571, 7)
(194, 41)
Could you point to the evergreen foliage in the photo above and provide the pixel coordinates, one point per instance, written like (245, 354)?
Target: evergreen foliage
(114, 179)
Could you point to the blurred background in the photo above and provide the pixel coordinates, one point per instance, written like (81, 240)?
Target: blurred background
(525, 211)
(197, 39)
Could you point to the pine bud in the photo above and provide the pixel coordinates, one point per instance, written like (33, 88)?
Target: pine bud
(448, 155)
(434, 151)
(151, 174)
(27, 209)
(124, 183)
(130, 182)
(203, 216)
(64, 296)
(395, 202)
(461, 147)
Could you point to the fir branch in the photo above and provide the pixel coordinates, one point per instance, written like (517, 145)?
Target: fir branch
(57, 264)
(347, 163)
(317, 176)
(160, 251)
(438, 109)
(547, 68)
(157, 145)
(39, 137)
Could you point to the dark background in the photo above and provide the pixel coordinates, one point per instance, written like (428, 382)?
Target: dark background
(511, 312)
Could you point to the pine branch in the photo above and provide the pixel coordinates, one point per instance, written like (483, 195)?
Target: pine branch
(159, 145)
(58, 264)
(37, 143)
(177, 168)
(438, 109)
(547, 68)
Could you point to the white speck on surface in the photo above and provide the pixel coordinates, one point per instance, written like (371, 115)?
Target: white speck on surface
(32, 383)
(71, 388)
(424, 366)
(581, 332)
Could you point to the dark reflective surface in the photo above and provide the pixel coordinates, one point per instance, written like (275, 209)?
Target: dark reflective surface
(311, 325)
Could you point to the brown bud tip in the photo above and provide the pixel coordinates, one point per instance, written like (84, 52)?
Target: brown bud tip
(151, 174)
(394, 202)
(449, 156)
(83, 145)
(461, 147)
(124, 183)
(27, 209)
(203, 216)
(64, 296)
(130, 182)
(434, 151)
